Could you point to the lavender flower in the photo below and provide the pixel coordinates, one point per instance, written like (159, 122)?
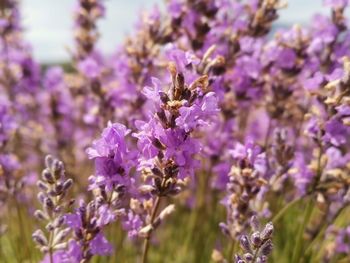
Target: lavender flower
(113, 160)
(258, 246)
(87, 223)
(246, 180)
(86, 14)
(54, 188)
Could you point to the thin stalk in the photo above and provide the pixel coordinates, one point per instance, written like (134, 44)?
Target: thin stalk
(285, 209)
(50, 250)
(323, 228)
(51, 256)
(255, 255)
(21, 224)
(266, 145)
(299, 239)
(13, 244)
(319, 168)
(147, 239)
(232, 250)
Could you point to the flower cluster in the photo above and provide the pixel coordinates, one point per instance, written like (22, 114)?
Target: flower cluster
(246, 181)
(258, 246)
(54, 188)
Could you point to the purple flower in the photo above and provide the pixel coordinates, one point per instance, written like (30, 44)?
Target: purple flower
(89, 67)
(252, 153)
(132, 224)
(152, 93)
(199, 113)
(113, 160)
(286, 58)
(336, 132)
(175, 8)
(100, 246)
(87, 223)
(302, 176)
(314, 83)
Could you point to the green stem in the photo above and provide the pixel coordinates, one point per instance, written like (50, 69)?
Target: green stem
(232, 250)
(21, 224)
(323, 229)
(50, 247)
(147, 239)
(299, 239)
(319, 168)
(51, 256)
(285, 209)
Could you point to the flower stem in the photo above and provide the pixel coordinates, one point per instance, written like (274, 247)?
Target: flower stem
(22, 231)
(322, 229)
(299, 239)
(285, 209)
(51, 256)
(232, 250)
(146, 242)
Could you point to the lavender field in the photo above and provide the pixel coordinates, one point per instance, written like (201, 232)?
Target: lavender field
(216, 131)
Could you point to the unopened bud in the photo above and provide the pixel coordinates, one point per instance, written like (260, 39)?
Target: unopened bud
(61, 236)
(145, 231)
(267, 232)
(67, 184)
(42, 185)
(166, 212)
(39, 237)
(48, 160)
(50, 227)
(255, 239)
(49, 203)
(245, 244)
(266, 248)
(47, 176)
(60, 246)
(248, 257)
(40, 215)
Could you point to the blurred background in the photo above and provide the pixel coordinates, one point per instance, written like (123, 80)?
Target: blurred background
(48, 23)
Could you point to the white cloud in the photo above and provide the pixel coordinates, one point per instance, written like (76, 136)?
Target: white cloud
(49, 23)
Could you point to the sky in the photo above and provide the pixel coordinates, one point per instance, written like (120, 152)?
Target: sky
(48, 23)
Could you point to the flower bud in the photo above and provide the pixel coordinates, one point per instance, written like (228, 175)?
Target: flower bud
(47, 176)
(50, 227)
(61, 236)
(49, 203)
(48, 160)
(67, 184)
(57, 169)
(166, 212)
(59, 221)
(255, 239)
(40, 215)
(60, 246)
(39, 237)
(42, 185)
(248, 257)
(41, 197)
(254, 222)
(267, 232)
(266, 248)
(145, 231)
(245, 244)
(44, 249)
